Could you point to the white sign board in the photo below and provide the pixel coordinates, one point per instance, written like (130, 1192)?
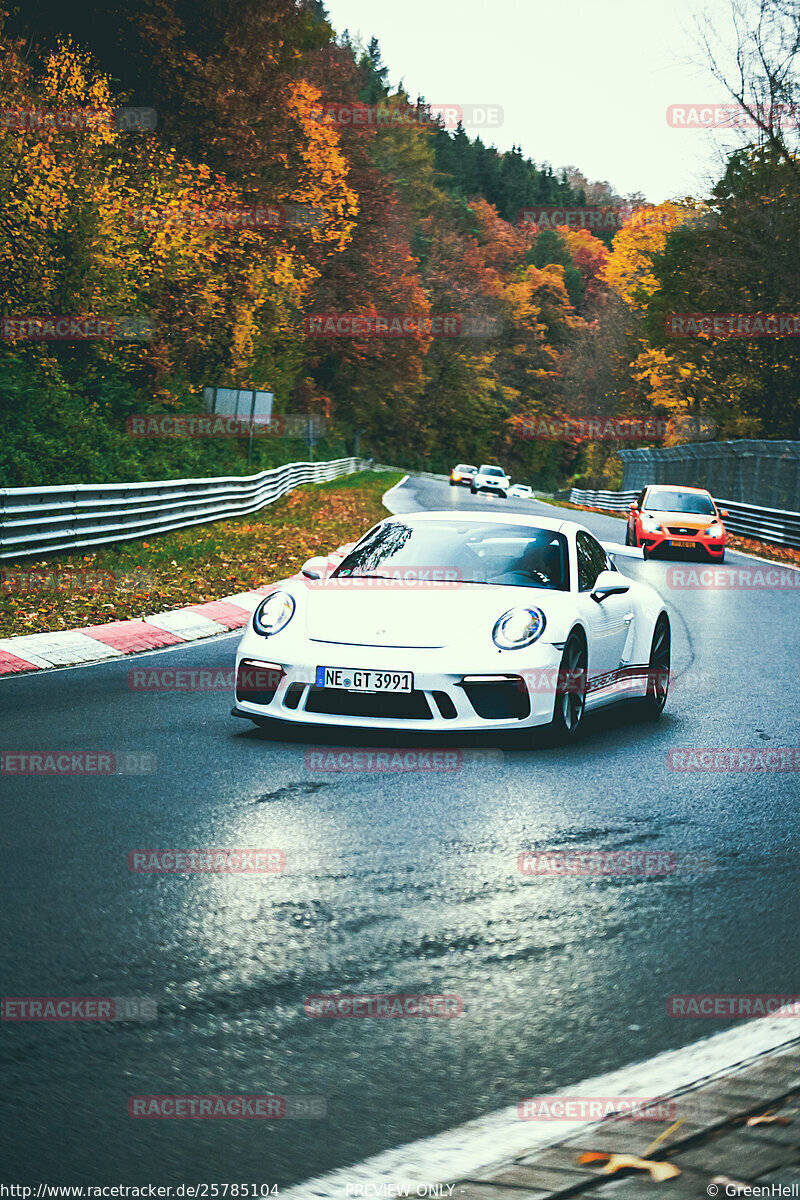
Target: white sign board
(244, 403)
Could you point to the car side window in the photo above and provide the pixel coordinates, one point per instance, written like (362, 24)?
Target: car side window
(640, 498)
(592, 559)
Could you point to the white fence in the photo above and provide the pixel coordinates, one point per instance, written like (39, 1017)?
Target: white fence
(750, 520)
(36, 520)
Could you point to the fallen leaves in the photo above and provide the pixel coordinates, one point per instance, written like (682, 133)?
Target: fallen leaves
(767, 1119)
(188, 566)
(658, 1171)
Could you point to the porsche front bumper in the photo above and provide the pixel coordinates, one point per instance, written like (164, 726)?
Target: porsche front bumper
(494, 691)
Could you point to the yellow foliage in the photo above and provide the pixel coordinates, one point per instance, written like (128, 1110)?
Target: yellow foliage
(629, 270)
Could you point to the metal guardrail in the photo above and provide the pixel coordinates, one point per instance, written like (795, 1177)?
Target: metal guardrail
(749, 470)
(615, 501)
(767, 524)
(774, 525)
(35, 521)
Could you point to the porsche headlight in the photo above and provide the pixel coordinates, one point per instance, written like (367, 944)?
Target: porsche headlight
(714, 530)
(518, 627)
(273, 614)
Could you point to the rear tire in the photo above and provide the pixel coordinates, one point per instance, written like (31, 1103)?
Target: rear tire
(570, 705)
(659, 668)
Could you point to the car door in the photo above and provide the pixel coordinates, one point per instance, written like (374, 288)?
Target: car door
(610, 624)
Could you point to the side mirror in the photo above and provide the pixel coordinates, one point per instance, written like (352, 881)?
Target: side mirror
(609, 583)
(632, 506)
(723, 512)
(315, 568)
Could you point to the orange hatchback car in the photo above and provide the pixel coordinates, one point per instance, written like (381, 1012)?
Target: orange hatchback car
(677, 518)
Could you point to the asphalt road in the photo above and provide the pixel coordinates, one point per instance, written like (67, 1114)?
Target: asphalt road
(416, 889)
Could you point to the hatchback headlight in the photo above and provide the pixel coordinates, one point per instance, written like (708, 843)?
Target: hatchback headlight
(273, 614)
(650, 522)
(518, 627)
(714, 530)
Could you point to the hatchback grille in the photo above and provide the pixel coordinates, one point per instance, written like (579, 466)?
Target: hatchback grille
(683, 532)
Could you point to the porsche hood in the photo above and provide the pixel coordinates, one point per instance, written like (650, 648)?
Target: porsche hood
(375, 612)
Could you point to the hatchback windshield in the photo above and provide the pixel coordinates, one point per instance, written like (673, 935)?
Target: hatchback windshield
(491, 471)
(469, 553)
(682, 502)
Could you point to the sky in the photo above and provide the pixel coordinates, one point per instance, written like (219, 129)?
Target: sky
(584, 84)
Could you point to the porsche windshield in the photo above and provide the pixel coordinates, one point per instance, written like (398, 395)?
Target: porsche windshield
(516, 555)
(681, 502)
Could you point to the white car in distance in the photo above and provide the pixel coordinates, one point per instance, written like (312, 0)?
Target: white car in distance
(490, 479)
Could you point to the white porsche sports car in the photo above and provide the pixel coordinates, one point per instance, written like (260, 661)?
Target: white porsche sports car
(452, 621)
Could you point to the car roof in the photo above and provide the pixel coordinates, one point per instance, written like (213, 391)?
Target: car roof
(533, 522)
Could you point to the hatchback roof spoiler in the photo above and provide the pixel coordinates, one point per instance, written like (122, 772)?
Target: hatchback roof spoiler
(614, 548)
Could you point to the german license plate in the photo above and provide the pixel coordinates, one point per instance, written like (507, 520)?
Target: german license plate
(681, 544)
(347, 679)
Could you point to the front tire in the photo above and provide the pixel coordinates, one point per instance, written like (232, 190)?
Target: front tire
(658, 669)
(570, 705)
